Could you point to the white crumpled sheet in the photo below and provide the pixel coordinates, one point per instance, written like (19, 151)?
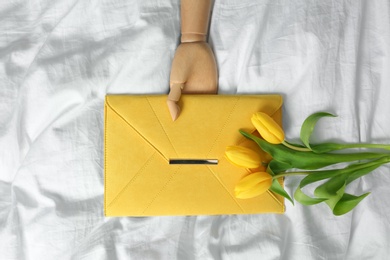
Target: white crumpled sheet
(58, 59)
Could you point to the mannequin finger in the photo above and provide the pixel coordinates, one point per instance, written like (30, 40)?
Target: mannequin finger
(173, 97)
(175, 92)
(174, 109)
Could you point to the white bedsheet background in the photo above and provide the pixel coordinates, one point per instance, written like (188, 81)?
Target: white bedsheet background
(58, 59)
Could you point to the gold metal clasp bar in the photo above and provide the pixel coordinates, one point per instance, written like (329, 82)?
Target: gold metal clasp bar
(193, 161)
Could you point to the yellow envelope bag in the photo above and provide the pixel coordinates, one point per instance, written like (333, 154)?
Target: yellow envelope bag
(154, 166)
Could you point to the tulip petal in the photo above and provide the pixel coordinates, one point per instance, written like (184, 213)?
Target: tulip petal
(232, 162)
(253, 185)
(243, 157)
(268, 128)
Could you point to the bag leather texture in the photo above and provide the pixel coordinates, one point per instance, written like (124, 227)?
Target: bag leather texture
(140, 138)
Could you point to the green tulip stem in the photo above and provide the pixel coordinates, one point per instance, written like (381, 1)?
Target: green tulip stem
(328, 147)
(296, 148)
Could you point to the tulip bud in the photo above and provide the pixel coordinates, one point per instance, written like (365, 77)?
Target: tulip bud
(243, 157)
(253, 185)
(268, 128)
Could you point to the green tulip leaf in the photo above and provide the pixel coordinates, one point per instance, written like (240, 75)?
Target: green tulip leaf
(333, 189)
(306, 200)
(368, 167)
(308, 126)
(326, 147)
(319, 176)
(354, 171)
(270, 171)
(277, 167)
(339, 202)
(347, 203)
(306, 160)
(278, 189)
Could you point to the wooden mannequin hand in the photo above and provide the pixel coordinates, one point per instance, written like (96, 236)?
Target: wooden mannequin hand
(193, 71)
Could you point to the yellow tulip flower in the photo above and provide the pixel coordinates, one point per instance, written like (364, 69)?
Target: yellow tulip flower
(253, 185)
(243, 157)
(268, 128)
